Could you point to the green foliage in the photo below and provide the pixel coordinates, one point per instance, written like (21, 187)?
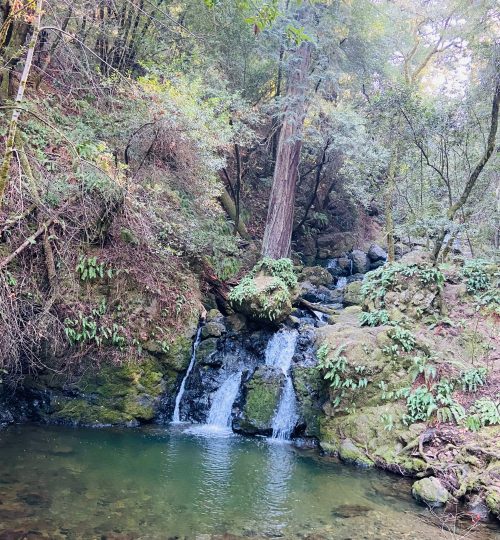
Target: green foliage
(89, 269)
(403, 339)
(476, 276)
(334, 367)
(393, 395)
(277, 292)
(421, 366)
(388, 421)
(473, 378)
(89, 329)
(279, 268)
(374, 318)
(484, 412)
(421, 405)
(383, 279)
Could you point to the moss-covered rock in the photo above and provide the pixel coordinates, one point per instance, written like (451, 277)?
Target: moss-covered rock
(316, 275)
(493, 501)
(261, 394)
(430, 491)
(204, 353)
(352, 296)
(350, 453)
(107, 394)
(267, 292)
(310, 390)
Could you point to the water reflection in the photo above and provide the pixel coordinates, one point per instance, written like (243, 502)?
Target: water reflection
(155, 484)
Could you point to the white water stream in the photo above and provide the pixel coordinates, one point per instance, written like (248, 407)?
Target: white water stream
(279, 353)
(222, 402)
(176, 418)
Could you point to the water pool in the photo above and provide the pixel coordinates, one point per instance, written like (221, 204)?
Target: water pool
(158, 483)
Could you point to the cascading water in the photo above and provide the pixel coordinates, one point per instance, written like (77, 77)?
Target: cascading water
(341, 283)
(279, 353)
(222, 402)
(176, 418)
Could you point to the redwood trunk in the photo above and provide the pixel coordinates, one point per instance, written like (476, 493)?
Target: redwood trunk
(279, 223)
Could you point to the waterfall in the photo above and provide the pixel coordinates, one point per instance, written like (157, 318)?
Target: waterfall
(176, 417)
(279, 353)
(222, 402)
(341, 283)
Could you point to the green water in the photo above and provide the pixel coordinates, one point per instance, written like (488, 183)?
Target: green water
(157, 484)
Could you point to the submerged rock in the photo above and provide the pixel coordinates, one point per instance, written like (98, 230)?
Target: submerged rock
(350, 453)
(430, 491)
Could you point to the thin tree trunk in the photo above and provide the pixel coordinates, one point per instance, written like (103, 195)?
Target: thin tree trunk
(10, 144)
(390, 189)
(279, 223)
(471, 182)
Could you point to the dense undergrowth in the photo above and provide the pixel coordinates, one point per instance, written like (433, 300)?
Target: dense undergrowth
(119, 200)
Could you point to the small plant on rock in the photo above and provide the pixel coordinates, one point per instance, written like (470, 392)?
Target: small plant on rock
(374, 318)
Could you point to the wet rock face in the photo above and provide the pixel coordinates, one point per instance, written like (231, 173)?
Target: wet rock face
(261, 395)
(335, 244)
(360, 261)
(430, 491)
(376, 254)
(215, 359)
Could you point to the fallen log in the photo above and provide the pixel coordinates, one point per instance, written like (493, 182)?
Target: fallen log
(317, 307)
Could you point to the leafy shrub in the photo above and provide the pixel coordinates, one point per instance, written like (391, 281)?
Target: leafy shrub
(334, 369)
(381, 280)
(424, 402)
(403, 338)
(473, 378)
(277, 292)
(374, 318)
(484, 412)
(89, 268)
(476, 276)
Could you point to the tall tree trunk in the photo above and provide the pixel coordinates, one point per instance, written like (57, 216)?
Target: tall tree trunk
(390, 189)
(471, 182)
(11, 136)
(279, 223)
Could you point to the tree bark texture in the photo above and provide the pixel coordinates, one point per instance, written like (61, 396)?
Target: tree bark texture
(279, 223)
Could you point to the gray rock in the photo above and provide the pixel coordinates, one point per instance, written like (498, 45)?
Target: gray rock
(360, 261)
(352, 295)
(332, 245)
(430, 491)
(316, 275)
(236, 322)
(376, 253)
(213, 329)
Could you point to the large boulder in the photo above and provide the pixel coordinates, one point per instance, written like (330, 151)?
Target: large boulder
(352, 295)
(266, 293)
(430, 491)
(376, 253)
(316, 275)
(333, 245)
(360, 261)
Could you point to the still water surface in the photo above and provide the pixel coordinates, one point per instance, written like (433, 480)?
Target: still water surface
(156, 483)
